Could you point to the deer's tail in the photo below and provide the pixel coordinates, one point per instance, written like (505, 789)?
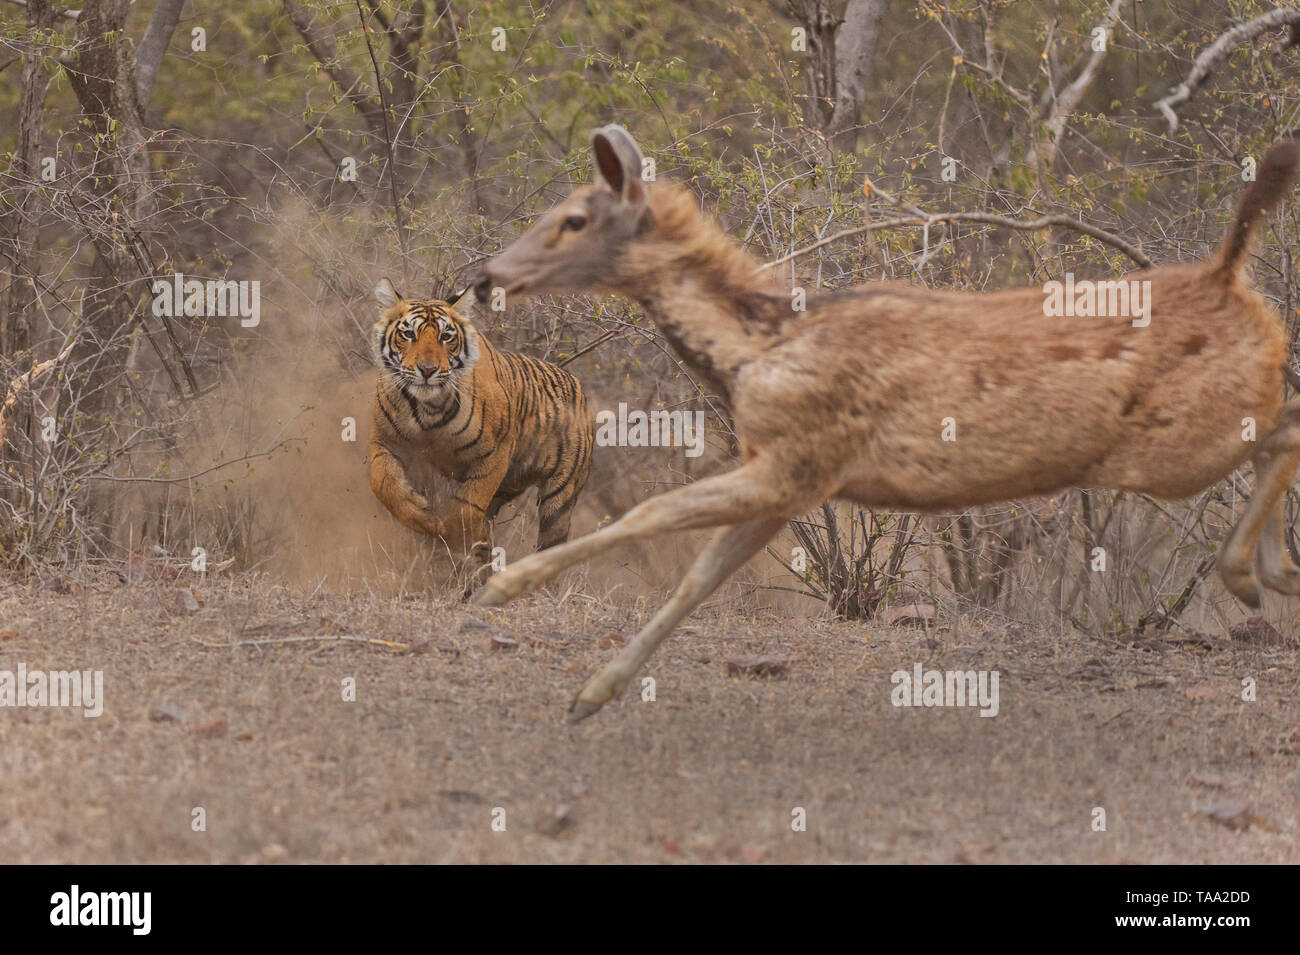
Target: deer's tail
(1272, 179)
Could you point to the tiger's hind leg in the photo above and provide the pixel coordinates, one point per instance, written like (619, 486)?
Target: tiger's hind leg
(557, 496)
(1260, 528)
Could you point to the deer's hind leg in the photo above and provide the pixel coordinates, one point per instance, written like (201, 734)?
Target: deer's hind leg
(1277, 571)
(1260, 528)
(728, 550)
(754, 491)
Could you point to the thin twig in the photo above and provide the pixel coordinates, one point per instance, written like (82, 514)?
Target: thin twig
(919, 217)
(330, 637)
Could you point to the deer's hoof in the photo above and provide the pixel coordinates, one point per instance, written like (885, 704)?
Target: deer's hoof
(1242, 585)
(595, 693)
(489, 595)
(1284, 581)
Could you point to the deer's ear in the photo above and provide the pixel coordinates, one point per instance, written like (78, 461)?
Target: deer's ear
(386, 295)
(618, 162)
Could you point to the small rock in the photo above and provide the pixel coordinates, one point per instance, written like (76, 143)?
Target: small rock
(274, 851)
(498, 642)
(912, 615)
(184, 602)
(555, 822)
(168, 713)
(462, 795)
(1256, 632)
(1234, 815)
(775, 667)
(1209, 780)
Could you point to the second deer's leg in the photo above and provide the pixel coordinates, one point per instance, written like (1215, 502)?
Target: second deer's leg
(1277, 571)
(754, 491)
(728, 550)
(1275, 468)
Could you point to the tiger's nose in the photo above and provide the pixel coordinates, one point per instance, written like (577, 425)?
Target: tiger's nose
(427, 370)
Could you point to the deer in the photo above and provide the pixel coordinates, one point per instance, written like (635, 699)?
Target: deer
(904, 398)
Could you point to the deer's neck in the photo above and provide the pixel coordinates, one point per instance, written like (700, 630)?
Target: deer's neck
(704, 293)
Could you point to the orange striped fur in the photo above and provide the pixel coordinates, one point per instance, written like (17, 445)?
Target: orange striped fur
(493, 421)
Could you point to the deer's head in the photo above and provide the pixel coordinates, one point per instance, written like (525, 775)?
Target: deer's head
(580, 244)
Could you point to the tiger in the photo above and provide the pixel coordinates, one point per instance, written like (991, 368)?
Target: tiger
(494, 422)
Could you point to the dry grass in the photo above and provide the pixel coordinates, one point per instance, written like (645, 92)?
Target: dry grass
(443, 733)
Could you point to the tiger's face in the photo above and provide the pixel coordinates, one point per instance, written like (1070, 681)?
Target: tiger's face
(425, 347)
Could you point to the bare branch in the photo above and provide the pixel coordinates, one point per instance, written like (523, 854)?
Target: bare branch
(17, 386)
(1065, 103)
(153, 47)
(916, 216)
(66, 14)
(1214, 54)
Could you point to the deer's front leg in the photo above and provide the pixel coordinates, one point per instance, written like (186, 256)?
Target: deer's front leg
(728, 550)
(755, 491)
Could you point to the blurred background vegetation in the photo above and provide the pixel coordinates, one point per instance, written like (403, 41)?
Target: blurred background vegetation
(212, 138)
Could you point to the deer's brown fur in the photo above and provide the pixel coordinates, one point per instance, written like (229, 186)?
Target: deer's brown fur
(849, 399)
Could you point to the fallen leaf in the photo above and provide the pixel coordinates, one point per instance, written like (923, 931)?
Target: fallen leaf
(610, 641)
(140, 568)
(975, 855)
(212, 729)
(1201, 692)
(8, 634)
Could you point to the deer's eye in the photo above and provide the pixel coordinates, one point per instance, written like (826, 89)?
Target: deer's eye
(573, 223)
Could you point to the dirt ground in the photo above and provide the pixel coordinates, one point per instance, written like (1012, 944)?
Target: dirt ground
(468, 721)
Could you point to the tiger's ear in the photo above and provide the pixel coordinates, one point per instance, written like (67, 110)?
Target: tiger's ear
(465, 303)
(386, 295)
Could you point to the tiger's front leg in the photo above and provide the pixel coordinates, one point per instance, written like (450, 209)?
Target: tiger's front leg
(466, 521)
(389, 484)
